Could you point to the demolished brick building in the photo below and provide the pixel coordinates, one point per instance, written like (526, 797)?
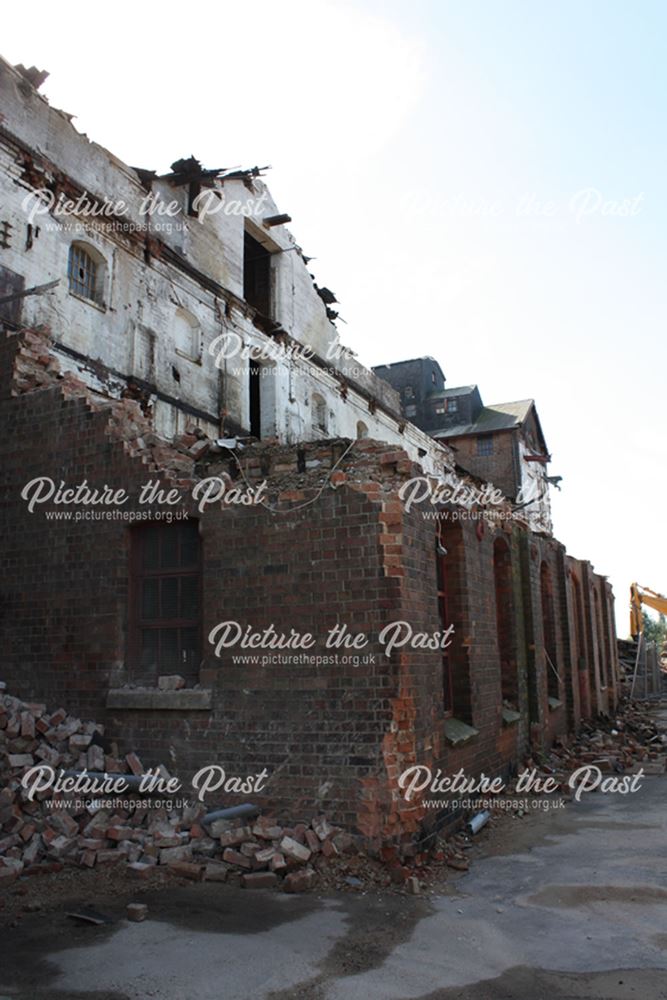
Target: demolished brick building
(115, 373)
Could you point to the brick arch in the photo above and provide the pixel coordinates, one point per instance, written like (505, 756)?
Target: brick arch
(451, 554)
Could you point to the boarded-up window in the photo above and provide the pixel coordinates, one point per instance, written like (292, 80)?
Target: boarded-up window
(165, 601)
(144, 353)
(187, 334)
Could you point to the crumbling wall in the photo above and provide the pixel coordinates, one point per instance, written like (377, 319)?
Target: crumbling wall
(334, 544)
(157, 271)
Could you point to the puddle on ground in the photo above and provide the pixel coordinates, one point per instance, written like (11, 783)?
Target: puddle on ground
(580, 895)
(524, 983)
(375, 928)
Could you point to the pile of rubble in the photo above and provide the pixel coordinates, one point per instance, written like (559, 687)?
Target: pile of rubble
(627, 655)
(49, 830)
(629, 740)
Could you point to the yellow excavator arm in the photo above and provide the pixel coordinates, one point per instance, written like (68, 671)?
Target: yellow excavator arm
(638, 597)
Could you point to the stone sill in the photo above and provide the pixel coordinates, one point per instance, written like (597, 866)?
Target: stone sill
(457, 732)
(185, 700)
(510, 717)
(89, 302)
(193, 359)
(554, 703)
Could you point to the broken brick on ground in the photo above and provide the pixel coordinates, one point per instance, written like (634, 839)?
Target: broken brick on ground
(37, 837)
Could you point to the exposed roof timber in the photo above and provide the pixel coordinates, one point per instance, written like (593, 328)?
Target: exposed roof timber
(189, 169)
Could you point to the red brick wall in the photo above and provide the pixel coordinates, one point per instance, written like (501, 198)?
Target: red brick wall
(499, 468)
(334, 737)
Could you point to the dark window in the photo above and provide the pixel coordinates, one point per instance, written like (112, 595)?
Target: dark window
(194, 190)
(452, 405)
(485, 444)
(257, 275)
(600, 637)
(165, 601)
(505, 622)
(443, 610)
(549, 632)
(319, 413)
(5, 234)
(11, 287)
(255, 390)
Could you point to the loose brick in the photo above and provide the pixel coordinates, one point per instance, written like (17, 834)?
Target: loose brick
(322, 828)
(187, 869)
(293, 849)
(215, 872)
(259, 880)
(170, 854)
(231, 838)
(21, 760)
(299, 881)
(134, 764)
(136, 912)
(233, 857)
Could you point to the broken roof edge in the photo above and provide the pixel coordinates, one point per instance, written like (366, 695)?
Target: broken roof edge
(130, 172)
(35, 78)
(408, 361)
(141, 178)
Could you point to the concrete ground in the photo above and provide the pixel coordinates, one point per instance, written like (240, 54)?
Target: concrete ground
(575, 907)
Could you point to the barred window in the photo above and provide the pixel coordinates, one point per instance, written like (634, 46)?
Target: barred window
(85, 271)
(165, 601)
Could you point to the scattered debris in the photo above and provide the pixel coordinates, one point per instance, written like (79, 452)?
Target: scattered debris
(86, 915)
(136, 912)
(51, 831)
(627, 740)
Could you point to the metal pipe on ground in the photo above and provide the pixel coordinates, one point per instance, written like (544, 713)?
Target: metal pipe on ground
(134, 781)
(232, 812)
(478, 821)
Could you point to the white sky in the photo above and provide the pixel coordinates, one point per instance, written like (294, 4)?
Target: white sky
(392, 130)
